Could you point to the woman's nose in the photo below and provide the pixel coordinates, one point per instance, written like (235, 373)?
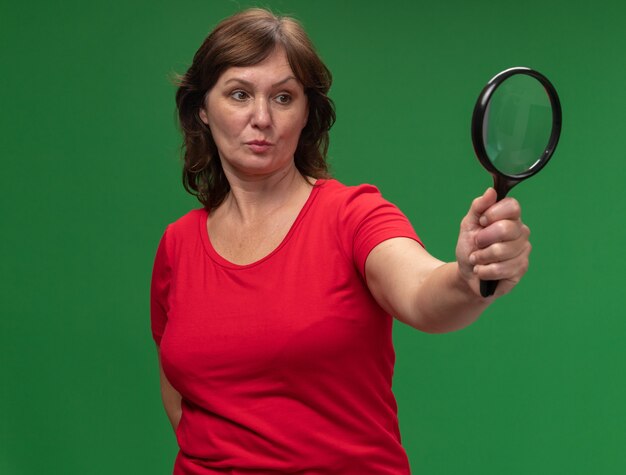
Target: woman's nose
(261, 114)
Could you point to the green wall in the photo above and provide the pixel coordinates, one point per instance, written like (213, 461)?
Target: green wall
(90, 177)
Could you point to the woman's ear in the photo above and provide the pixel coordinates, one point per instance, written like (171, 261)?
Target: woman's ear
(203, 116)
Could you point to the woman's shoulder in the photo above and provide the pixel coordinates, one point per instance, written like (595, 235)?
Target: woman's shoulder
(334, 191)
(336, 196)
(187, 224)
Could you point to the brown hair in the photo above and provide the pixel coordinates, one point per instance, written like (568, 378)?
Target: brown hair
(245, 39)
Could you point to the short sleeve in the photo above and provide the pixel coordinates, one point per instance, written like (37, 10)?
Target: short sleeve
(159, 290)
(370, 220)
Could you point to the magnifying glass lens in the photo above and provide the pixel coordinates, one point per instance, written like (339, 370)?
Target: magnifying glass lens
(517, 124)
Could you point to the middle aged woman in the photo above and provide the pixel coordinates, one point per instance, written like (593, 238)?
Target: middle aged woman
(271, 306)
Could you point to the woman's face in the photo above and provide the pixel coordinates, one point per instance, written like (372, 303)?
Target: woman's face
(256, 114)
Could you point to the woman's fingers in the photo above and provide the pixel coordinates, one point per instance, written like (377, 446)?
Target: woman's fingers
(510, 269)
(506, 259)
(506, 209)
(477, 208)
(493, 242)
(501, 246)
(500, 231)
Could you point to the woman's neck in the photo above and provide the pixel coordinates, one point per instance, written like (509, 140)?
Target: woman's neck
(253, 199)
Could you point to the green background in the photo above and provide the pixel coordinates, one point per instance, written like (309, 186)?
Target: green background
(90, 178)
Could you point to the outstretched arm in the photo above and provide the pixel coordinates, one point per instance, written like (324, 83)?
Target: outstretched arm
(438, 297)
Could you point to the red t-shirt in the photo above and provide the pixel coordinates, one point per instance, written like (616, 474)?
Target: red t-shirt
(284, 365)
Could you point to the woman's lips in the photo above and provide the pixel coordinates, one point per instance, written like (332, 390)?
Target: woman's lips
(259, 146)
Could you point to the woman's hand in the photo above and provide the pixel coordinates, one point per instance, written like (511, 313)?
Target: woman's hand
(493, 243)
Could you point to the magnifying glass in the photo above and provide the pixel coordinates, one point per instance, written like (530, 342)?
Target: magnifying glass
(515, 129)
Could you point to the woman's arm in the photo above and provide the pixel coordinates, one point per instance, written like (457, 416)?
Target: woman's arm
(171, 398)
(436, 297)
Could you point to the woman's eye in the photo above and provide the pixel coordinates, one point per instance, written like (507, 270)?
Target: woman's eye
(283, 98)
(239, 95)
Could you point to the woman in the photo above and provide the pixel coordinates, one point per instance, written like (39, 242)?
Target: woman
(271, 306)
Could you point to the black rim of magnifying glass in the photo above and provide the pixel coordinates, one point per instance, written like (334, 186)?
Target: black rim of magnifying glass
(478, 122)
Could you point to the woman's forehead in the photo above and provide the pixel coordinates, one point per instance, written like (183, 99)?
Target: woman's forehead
(274, 69)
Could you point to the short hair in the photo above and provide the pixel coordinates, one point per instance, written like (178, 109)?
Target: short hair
(246, 39)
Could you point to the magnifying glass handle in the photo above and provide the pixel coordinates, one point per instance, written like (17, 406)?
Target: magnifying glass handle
(488, 287)
(502, 186)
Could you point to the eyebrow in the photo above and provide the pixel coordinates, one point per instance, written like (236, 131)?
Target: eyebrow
(249, 84)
